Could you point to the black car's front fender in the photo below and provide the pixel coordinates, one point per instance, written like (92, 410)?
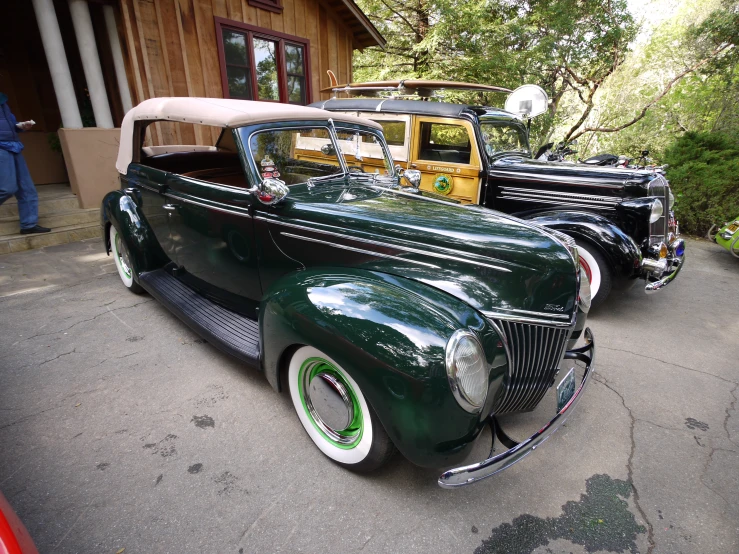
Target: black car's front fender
(618, 248)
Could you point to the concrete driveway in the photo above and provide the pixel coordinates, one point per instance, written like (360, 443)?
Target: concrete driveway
(120, 429)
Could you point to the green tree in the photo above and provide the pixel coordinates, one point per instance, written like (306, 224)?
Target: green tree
(561, 45)
(704, 174)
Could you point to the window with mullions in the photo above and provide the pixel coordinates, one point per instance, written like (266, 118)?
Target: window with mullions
(258, 64)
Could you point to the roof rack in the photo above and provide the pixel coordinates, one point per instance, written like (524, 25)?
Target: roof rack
(404, 88)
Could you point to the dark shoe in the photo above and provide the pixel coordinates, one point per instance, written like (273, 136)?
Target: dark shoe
(35, 229)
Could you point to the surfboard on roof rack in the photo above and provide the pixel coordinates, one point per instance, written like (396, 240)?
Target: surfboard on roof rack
(409, 87)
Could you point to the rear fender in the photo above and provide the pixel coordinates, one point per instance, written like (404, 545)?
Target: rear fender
(121, 211)
(619, 249)
(390, 334)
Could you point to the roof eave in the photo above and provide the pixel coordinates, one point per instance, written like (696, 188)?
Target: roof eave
(377, 38)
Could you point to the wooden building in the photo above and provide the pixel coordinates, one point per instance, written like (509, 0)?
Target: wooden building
(273, 50)
(77, 66)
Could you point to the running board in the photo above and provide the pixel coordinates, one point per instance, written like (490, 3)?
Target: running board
(230, 332)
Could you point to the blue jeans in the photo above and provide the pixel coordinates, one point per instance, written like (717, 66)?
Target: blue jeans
(16, 180)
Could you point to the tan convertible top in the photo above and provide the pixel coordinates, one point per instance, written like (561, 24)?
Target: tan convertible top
(218, 112)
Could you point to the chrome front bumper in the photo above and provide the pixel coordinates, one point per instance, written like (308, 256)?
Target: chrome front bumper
(673, 266)
(465, 475)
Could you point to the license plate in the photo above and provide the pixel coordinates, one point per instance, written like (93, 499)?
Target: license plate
(733, 227)
(565, 389)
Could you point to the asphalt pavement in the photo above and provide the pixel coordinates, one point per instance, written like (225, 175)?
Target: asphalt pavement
(121, 429)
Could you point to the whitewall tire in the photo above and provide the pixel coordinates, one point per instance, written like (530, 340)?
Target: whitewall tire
(335, 413)
(123, 264)
(598, 272)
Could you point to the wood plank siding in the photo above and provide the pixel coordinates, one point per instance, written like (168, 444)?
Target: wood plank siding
(171, 48)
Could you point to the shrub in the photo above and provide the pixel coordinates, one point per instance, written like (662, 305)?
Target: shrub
(704, 174)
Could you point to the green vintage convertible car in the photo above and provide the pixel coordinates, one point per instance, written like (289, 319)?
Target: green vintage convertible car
(393, 320)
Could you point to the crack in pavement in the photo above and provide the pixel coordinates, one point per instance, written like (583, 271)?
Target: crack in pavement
(108, 311)
(709, 461)
(24, 418)
(670, 364)
(62, 287)
(731, 408)
(629, 464)
(73, 351)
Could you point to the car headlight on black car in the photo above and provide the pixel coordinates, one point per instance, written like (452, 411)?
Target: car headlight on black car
(467, 370)
(657, 211)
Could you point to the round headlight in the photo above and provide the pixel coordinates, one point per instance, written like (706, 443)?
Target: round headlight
(657, 210)
(672, 199)
(585, 293)
(467, 370)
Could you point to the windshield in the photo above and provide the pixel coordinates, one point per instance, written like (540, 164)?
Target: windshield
(503, 137)
(297, 155)
(364, 152)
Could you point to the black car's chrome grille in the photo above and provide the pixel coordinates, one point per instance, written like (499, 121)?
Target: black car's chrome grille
(534, 353)
(659, 188)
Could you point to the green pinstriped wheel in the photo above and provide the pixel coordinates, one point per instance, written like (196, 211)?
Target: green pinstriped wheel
(335, 413)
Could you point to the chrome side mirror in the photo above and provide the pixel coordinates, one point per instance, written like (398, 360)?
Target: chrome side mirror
(413, 177)
(272, 191)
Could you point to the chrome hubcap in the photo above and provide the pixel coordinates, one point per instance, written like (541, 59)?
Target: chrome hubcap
(330, 403)
(122, 255)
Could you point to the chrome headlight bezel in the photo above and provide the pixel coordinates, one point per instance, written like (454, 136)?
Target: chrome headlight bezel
(657, 211)
(585, 296)
(470, 401)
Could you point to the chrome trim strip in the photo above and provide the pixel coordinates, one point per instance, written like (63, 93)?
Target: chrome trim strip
(582, 182)
(359, 250)
(147, 187)
(557, 203)
(217, 186)
(532, 320)
(565, 198)
(592, 197)
(216, 208)
(387, 245)
(527, 312)
(465, 475)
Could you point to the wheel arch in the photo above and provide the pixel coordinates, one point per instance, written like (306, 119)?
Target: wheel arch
(390, 334)
(618, 249)
(121, 211)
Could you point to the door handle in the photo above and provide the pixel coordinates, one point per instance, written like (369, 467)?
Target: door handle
(170, 207)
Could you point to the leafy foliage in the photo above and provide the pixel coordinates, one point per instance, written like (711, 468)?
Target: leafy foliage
(704, 174)
(553, 43)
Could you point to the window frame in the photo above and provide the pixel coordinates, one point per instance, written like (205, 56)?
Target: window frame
(252, 31)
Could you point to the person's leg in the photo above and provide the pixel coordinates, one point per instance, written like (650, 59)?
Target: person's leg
(8, 180)
(26, 195)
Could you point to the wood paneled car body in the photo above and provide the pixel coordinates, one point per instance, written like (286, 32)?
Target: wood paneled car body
(621, 219)
(392, 320)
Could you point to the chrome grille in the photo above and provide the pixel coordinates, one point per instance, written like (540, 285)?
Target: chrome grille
(534, 353)
(659, 188)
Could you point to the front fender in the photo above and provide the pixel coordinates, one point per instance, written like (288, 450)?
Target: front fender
(618, 248)
(120, 210)
(390, 334)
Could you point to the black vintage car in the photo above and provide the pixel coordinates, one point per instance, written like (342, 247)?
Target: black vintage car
(621, 219)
